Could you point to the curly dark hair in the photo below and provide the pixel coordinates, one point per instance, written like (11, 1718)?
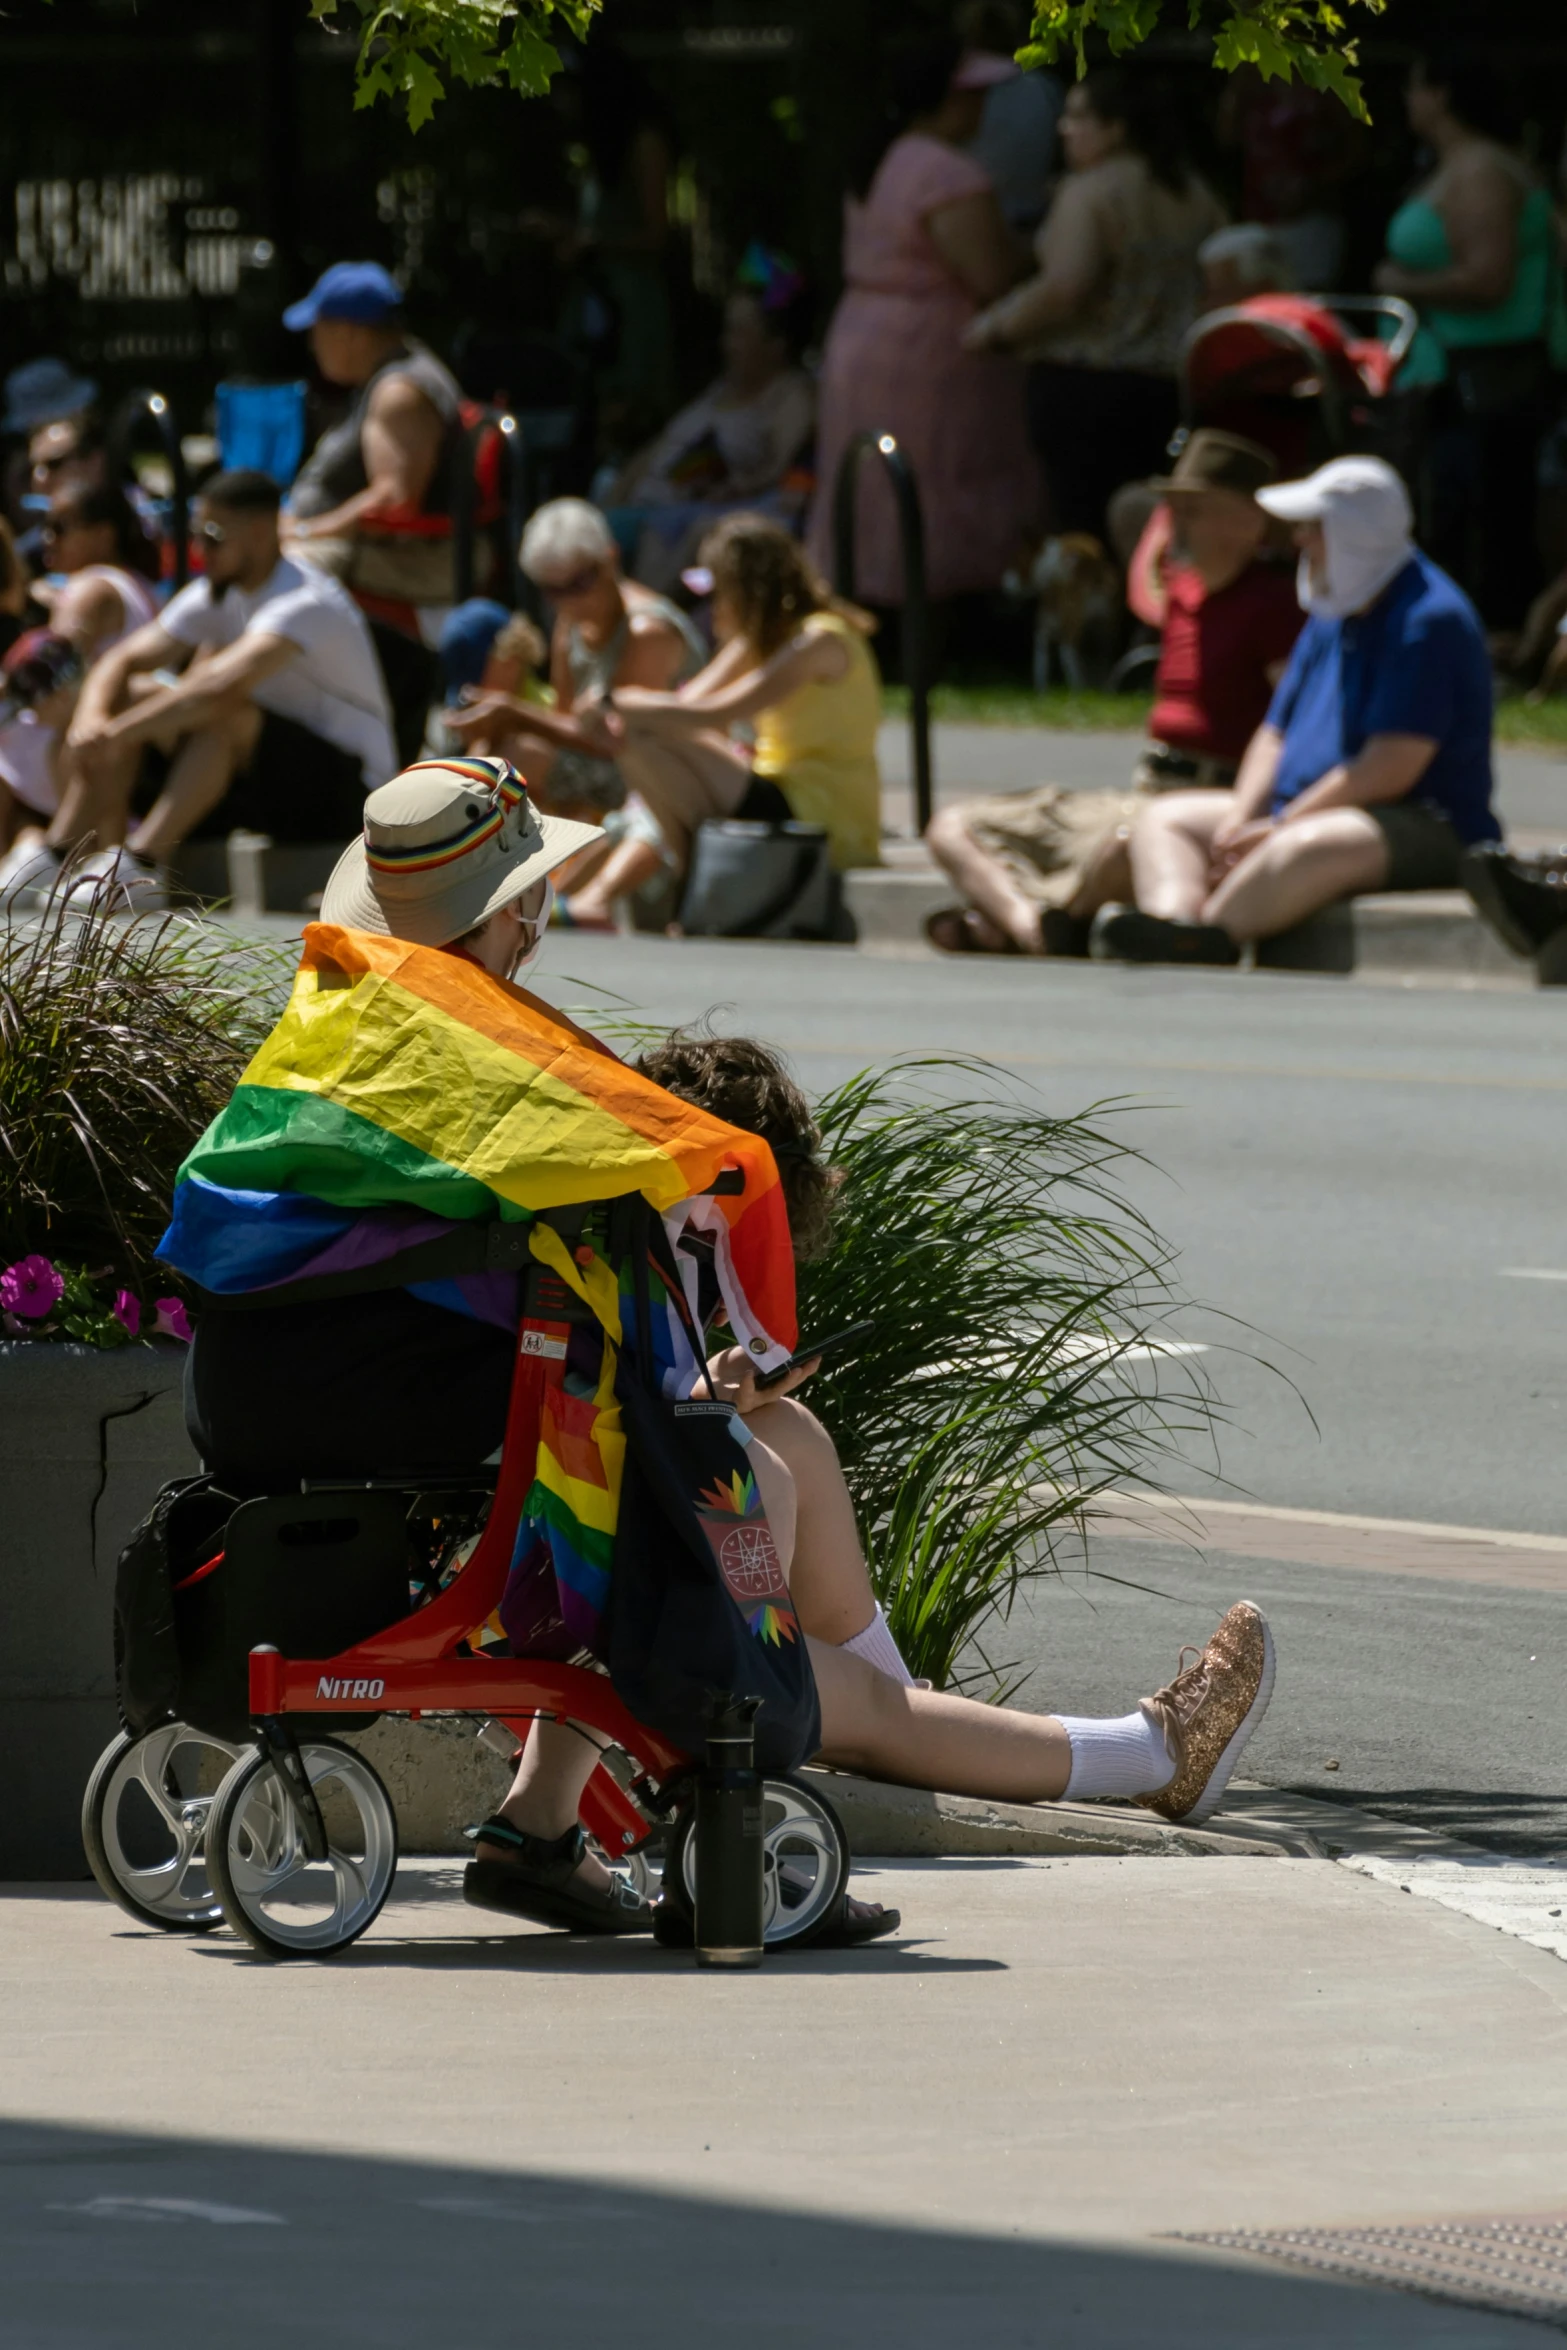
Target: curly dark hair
(768, 580)
(746, 1084)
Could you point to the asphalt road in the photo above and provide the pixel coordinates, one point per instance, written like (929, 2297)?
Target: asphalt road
(1349, 1171)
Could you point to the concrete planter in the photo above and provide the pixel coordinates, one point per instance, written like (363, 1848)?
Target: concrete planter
(86, 1439)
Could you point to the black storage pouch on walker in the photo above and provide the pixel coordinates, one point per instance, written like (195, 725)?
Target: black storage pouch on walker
(699, 1610)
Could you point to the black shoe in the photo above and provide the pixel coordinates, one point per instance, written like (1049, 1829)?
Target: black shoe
(1524, 901)
(1061, 933)
(1122, 935)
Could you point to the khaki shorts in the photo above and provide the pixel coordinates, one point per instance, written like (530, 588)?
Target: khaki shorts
(1047, 838)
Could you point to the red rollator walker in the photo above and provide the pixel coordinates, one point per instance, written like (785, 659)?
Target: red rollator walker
(299, 1624)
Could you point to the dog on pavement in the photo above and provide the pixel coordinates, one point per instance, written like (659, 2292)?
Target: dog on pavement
(1078, 611)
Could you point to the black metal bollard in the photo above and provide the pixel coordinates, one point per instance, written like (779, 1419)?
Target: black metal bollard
(729, 1841)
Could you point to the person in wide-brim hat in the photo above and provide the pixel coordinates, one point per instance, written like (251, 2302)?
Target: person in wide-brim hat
(446, 845)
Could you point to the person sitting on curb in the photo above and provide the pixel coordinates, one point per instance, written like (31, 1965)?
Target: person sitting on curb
(280, 718)
(94, 542)
(1036, 866)
(793, 663)
(609, 633)
(1372, 770)
(453, 868)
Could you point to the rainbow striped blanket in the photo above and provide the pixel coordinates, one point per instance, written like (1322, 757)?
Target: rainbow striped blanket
(405, 1091)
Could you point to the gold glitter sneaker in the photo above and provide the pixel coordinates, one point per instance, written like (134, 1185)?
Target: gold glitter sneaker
(1209, 1711)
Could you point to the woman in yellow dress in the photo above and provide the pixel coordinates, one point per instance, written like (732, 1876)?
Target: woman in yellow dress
(793, 666)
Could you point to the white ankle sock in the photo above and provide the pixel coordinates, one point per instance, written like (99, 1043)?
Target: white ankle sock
(877, 1646)
(1124, 1757)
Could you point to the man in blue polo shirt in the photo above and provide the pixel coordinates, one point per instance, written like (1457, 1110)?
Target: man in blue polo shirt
(1372, 769)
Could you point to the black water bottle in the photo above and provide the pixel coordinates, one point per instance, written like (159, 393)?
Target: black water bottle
(729, 1840)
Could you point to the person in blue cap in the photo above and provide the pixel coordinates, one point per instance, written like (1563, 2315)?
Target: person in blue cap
(370, 500)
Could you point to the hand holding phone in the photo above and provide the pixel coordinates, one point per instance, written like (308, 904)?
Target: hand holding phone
(814, 1350)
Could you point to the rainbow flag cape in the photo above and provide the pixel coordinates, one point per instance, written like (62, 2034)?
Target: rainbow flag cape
(405, 1090)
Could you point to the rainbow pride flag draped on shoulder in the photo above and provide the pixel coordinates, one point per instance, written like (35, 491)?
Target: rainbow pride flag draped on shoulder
(406, 1091)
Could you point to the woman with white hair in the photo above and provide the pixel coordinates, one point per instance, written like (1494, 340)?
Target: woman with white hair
(1372, 769)
(608, 631)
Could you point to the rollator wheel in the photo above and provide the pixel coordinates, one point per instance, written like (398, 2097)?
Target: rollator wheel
(144, 1825)
(805, 1863)
(284, 1903)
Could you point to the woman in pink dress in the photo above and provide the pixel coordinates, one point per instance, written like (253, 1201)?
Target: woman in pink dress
(925, 248)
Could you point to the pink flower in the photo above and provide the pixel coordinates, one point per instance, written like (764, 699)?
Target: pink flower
(127, 1312)
(172, 1321)
(31, 1287)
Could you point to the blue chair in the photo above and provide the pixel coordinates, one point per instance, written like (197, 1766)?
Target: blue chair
(262, 426)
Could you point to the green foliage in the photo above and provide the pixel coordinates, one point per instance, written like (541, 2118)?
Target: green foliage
(118, 1042)
(410, 50)
(1020, 1365)
(1282, 38)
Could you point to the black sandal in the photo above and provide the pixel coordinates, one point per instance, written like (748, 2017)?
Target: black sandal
(847, 1933)
(673, 1928)
(536, 1882)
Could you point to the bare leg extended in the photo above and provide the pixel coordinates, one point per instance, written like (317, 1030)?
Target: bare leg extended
(984, 881)
(1298, 869)
(923, 1738)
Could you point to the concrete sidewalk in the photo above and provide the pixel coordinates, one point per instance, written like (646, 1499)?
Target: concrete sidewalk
(989, 2129)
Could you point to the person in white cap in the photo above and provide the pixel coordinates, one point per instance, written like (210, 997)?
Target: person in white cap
(1372, 769)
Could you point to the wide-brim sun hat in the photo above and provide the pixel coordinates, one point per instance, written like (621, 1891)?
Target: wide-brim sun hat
(1214, 460)
(446, 844)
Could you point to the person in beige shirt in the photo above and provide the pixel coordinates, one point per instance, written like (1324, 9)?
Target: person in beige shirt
(1103, 321)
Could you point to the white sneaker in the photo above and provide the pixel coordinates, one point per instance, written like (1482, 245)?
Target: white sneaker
(118, 880)
(27, 874)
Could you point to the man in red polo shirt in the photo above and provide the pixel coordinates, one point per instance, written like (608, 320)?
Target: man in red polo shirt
(1036, 866)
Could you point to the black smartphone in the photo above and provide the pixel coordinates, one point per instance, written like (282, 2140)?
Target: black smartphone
(811, 1350)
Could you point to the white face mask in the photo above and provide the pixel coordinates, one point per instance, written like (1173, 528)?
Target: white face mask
(1358, 569)
(530, 953)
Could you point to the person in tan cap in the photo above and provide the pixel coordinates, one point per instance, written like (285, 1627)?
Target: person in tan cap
(1036, 866)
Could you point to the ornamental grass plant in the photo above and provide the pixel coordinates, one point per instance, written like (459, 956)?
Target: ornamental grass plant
(1023, 1361)
(119, 1040)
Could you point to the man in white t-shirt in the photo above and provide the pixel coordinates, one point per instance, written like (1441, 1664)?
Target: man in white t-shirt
(279, 720)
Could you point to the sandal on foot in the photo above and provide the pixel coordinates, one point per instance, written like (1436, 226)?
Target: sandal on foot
(673, 1928)
(536, 1881)
(848, 1931)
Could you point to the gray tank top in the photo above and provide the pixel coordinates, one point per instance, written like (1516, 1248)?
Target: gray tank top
(335, 468)
(592, 667)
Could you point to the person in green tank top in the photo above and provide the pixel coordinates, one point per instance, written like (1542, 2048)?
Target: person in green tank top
(1475, 249)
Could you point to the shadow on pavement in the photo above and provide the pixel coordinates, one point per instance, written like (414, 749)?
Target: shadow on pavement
(136, 2244)
(539, 1954)
(1525, 1826)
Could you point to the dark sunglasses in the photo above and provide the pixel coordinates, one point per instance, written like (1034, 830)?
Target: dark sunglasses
(578, 585)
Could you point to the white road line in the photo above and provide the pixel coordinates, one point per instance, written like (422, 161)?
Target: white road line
(172, 2208)
(1530, 1273)
(1204, 1505)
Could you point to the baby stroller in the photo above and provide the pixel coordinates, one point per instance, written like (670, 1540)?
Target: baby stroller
(1309, 376)
(249, 1632)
